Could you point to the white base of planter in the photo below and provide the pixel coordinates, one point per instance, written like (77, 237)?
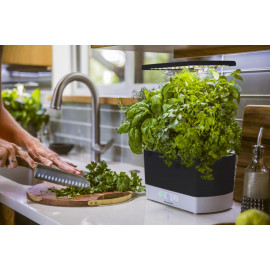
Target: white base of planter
(192, 204)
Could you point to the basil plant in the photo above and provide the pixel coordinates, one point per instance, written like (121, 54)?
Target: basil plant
(191, 117)
(25, 108)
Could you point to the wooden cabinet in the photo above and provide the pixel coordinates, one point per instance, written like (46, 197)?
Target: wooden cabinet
(186, 51)
(31, 55)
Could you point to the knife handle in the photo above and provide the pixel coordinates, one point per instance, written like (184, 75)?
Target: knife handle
(21, 162)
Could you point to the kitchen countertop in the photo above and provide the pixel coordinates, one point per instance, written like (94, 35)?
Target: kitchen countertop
(138, 211)
(113, 100)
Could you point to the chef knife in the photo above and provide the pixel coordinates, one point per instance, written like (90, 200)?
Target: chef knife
(55, 175)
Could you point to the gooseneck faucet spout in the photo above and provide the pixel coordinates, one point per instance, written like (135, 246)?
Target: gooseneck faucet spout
(97, 148)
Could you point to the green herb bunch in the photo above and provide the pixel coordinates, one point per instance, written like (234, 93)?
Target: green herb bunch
(191, 117)
(102, 179)
(25, 108)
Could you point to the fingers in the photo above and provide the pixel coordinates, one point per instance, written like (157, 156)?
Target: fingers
(3, 157)
(27, 158)
(33, 153)
(66, 166)
(74, 165)
(45, 161)
(12, 157)
(8, 156)
(47, 157)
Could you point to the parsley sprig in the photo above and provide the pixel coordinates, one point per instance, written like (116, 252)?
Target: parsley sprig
(102, 179)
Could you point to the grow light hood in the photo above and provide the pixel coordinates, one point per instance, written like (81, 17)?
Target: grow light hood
(188, 64)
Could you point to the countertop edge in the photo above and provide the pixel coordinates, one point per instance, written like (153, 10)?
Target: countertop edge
(103, 100)
(20, 205)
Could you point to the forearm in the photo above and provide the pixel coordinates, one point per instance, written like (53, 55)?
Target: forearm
(13, 135)
(12, 132)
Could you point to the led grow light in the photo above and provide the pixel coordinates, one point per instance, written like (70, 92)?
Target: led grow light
(189, 65)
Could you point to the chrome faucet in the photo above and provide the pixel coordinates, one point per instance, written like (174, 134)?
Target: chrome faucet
(97, 148)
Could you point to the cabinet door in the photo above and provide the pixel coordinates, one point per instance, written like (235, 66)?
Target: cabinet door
(33, 55)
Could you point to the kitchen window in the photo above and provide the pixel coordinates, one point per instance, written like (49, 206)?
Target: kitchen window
(147, 58)
(114, 72)
(107, 66)
(117, 72)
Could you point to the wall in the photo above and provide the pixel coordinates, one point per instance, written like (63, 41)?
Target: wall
(255, 68)
(73, 122)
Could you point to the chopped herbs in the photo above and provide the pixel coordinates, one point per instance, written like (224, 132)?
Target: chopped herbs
(102, 179)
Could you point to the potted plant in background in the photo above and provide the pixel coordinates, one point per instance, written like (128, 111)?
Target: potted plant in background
(190, 137)
(26, 108)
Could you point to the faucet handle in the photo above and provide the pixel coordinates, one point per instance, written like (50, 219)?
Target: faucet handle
(102, 148)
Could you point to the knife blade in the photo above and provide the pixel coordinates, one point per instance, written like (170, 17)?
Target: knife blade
(54, 175)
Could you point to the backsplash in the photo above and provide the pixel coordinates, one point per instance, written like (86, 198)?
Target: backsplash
(72, 123)
(256, 74)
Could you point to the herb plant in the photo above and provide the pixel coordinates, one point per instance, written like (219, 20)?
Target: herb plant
(25, 108)
(191, 117)
(102, 179)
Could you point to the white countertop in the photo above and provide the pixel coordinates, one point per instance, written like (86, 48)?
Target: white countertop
(137, 211)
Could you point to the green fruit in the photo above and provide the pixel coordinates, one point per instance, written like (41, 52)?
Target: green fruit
(253, 217)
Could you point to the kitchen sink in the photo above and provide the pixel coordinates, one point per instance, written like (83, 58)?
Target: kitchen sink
(20, 175)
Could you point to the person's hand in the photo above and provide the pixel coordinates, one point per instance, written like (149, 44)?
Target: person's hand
(9, 151)
(40, 153)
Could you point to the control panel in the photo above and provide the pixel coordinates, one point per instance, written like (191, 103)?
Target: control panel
(168, 196)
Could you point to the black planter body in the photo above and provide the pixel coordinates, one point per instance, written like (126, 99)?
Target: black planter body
(183, 187)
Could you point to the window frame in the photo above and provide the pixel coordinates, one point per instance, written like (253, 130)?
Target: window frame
(75, 58)
(80, 63)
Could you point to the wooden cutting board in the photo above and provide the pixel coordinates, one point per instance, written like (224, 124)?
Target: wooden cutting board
(255, 116)
(40, 194)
